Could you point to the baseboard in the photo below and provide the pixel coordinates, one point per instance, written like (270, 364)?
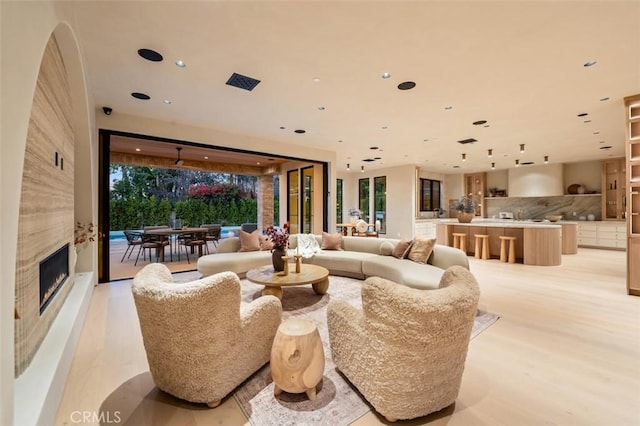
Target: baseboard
(39, 389)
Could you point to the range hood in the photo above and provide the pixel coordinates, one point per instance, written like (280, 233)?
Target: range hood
(536, 181)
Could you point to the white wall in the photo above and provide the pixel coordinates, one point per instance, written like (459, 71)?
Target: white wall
(25, 30)
(536, 181)
(498, 179)
(401, 197)
(587, 174)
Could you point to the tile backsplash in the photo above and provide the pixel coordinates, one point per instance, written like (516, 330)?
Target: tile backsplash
(539, 207)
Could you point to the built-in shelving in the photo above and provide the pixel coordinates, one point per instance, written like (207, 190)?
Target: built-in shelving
(613, 188)
(632, 192)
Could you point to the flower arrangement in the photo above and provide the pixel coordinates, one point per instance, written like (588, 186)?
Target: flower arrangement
(279, 237)
(84, 233)
(466, 204)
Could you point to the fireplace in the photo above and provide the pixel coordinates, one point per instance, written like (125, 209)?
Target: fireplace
(54, 271)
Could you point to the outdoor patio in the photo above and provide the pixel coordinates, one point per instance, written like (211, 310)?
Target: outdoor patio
(128, 269)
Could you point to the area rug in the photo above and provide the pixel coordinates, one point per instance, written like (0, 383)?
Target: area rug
(337, 402)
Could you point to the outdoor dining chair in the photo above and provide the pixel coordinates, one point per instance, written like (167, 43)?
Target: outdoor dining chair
(134, 239)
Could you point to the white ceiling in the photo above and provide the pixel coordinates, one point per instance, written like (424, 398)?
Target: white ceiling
(518, 65)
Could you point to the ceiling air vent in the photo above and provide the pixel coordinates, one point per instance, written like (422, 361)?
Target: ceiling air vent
(466, 141)
(242, 81)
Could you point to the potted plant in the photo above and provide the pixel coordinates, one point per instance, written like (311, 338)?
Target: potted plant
(466, 208)
(280, 240)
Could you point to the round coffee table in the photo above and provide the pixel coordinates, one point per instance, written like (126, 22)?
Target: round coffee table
(274, 281)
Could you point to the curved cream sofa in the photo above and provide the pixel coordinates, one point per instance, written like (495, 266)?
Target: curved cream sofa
(360, 258)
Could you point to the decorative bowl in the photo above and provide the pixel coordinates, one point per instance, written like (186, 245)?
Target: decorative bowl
(553, 218)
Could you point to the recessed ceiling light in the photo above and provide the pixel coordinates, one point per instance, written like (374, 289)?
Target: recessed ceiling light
(384, 127)
(486, 125)
(150, 55)
(407, 85)
(583, 114)
(377, 158)
(587, 121)
(315, 79)
(479, 122)
(456, 167)
(386, 75)
(601, 142)
(282, 127)
(590, 63)
(206, 158)
(321, 108)
(142, 96)
(137, 149)
(606, 147)
(300, 131)
(340, 141)
(604, 99)
(257, 163)
(180, 64)
(425, 140)
(448, 107)
(167, 101)
(374, 147)
(596, 133)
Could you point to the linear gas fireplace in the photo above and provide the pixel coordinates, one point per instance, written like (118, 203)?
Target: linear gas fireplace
(54, 271)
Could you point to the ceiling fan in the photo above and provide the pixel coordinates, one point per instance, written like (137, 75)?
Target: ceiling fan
(179, 162)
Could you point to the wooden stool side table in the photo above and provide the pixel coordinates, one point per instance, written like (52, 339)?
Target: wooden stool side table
(297, 358)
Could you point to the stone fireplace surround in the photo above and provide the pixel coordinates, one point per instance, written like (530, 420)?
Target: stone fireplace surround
(45, 341)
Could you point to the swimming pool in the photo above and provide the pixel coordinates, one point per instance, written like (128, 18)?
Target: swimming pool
(227, 231)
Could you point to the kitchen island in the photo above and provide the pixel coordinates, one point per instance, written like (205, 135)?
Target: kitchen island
(537, 243)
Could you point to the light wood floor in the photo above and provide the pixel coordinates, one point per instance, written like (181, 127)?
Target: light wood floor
(566, 351)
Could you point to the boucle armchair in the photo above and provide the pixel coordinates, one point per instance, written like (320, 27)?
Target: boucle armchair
(405, 350)
(201, 342)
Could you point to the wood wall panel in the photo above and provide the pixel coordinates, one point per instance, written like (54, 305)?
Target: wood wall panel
(46, 202)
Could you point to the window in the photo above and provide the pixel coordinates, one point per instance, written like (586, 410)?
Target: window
(380, 201)
(339, 210)
(363, 198)
(429, 194)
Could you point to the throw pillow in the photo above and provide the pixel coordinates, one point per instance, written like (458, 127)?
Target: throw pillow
(249, 241)
(421, 249)
(331, 241)
(386, 248)
(265, 243)
(402, 249)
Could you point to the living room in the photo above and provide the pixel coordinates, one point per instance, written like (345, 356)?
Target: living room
(27, 28)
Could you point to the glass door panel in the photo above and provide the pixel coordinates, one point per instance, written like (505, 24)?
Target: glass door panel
(307, 200)
(294, 201)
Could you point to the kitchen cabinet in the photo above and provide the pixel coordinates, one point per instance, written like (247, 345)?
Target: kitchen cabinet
(606, 235)
(632, 193)
(613, 189)
(475, 184)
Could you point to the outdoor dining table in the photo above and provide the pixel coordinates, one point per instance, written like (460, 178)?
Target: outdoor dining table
(169, 232)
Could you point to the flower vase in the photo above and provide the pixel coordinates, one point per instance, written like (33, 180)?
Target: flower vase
(276, 259)
(465, 217)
